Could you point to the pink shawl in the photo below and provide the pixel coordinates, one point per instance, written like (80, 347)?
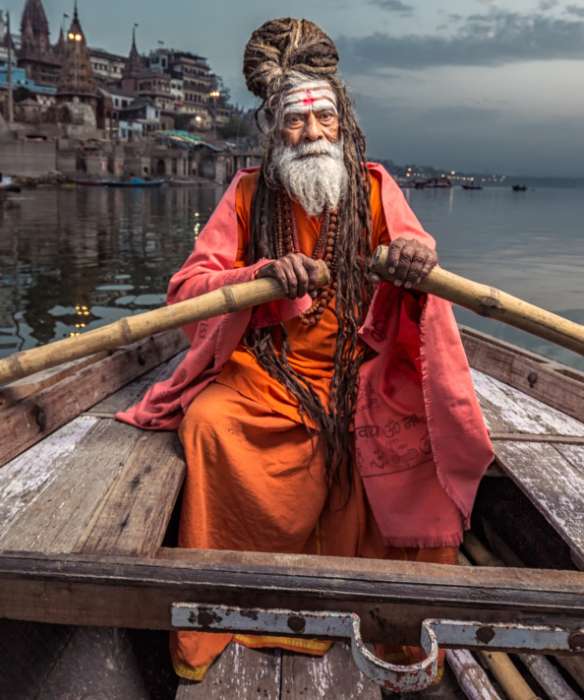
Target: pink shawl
(421, 442)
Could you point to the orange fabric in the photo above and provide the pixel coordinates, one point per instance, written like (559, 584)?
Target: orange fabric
(255, 482)
(311, 349)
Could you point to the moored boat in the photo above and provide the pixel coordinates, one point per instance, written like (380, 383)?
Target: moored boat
(105, 555)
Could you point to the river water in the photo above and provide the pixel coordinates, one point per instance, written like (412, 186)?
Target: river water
(74, 259)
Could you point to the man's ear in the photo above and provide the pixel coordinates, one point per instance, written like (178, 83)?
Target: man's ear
(265, 120)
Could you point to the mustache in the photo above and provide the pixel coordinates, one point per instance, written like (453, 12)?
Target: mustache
(315, 149)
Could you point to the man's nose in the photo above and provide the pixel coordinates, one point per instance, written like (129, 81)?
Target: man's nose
(312, 129)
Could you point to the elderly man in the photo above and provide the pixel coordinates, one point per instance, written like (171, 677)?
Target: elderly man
(341, 421)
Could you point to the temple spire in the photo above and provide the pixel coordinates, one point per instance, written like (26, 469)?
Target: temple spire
(34, 29)
(77, 79)
(134, 65)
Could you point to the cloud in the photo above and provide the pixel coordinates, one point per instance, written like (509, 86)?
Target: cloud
(393, 6)
(546, 5)
(576, 10)
(470, 137)
(496, 37)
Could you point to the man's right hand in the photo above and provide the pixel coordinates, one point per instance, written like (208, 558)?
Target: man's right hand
(296, 272)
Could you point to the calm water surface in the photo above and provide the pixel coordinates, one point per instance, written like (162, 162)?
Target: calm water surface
(72, 260)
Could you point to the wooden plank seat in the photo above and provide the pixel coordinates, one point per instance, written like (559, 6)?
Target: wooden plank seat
(95, 485)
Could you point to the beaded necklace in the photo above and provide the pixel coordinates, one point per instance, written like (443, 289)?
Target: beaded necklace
(325, 249)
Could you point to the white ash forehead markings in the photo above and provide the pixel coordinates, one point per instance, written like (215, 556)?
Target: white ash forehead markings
(313, 107)
(314, 85)
(310, 97)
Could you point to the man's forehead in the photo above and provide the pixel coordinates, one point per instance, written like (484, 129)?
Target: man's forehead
(310, 96)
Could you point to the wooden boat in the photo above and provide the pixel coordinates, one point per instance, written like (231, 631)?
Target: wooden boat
(135, 182)
(438, 183)
(89, 569)
(472, 187)
(519, 188)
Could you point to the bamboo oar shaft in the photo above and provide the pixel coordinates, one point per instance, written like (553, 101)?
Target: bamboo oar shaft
(484, 300)
(493, 303)
(127, 330)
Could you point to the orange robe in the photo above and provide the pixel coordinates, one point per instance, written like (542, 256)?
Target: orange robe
(256, 479)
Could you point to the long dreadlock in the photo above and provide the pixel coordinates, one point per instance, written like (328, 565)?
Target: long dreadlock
(276, 52)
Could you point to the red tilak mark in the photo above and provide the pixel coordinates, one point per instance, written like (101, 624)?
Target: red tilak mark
(309, 99)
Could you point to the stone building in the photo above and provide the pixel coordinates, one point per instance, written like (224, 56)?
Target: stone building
(107, 67)
(192, 84)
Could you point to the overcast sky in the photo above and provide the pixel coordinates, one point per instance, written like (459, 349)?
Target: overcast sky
(463, 84)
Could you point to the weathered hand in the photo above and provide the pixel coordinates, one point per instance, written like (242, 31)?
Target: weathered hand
(410, 261)
(296, 272)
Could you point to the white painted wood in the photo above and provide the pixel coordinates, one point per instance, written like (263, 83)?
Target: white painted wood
(549, 678)
(26, 477)
(574, 454)
(553, 483)
(241, 673)
(56, 522)
(511, 409)
(333, 675)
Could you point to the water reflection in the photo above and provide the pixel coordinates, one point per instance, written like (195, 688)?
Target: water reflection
(72, 260)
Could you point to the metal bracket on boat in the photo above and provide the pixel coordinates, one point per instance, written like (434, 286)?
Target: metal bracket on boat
(394, 677)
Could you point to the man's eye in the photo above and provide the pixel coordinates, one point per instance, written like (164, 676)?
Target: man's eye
(294, 120)
(326, 117)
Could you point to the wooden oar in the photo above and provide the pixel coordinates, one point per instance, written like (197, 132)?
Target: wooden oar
(484, 300)
(127, 330)
(493, 303)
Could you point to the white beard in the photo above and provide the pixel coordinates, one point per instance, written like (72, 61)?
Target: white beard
(312, 173)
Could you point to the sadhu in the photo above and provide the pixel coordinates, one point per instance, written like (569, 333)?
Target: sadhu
(340, 421)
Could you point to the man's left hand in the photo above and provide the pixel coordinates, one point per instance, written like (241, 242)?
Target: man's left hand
(410, 261)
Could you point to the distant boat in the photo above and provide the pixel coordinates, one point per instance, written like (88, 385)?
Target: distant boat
(438, 183)
(472, 186)
(7, 185)
(519, 188)
(405, 183)
(135, 182)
